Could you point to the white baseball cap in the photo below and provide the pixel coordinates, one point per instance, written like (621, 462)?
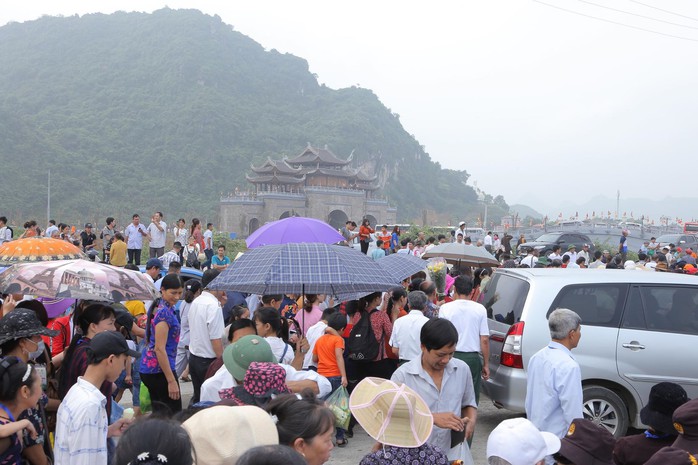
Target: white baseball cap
(462, 223)
(519, 442)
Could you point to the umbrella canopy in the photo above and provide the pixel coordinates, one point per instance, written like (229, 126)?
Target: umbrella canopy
(38, 249)
(401, 265)
(294, 229)
(76, 279)
(464, 254)
(304, 268)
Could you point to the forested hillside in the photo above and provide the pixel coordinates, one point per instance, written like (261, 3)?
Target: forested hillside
(136, 112)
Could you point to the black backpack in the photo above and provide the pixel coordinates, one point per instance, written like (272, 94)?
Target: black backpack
(192, 259)
(362, 345)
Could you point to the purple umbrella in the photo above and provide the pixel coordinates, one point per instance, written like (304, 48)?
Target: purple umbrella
(294, 230)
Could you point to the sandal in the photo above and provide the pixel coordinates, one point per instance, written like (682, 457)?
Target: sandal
(342, 442)
(185, 379)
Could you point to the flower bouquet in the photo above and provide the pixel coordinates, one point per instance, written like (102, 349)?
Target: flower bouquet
(437, 273)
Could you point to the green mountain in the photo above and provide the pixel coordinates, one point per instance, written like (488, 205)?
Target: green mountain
(135, 112)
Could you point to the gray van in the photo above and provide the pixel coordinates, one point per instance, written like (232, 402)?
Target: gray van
(638, 329)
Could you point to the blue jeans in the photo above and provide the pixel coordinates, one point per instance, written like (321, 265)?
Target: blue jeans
(209, 256)
(336, 382)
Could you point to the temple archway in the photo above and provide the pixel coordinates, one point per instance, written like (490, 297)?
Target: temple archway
(254, 225)
(337, 219)
(285, 214)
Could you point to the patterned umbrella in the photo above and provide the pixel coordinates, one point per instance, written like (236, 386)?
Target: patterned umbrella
(304, 268)
(294, 229)
(76, 279)
(401, 265)
(38, 249)
(462, 254)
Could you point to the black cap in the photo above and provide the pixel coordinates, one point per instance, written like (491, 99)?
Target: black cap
(686, 424)
(664, 399)
(671, 455)
(21, 323)
(588, 443)
(88, 225)
(109, 343)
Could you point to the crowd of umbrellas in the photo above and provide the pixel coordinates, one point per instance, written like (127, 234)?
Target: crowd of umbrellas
(290, 256)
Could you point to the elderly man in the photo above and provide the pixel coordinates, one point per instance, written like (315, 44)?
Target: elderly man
(554, 384)
(404, 339)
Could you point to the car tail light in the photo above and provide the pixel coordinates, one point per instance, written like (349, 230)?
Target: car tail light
(511, 350)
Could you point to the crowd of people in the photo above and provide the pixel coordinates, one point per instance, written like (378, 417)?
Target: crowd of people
(263, 366)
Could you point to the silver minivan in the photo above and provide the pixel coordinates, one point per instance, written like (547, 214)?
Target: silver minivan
(638, 328)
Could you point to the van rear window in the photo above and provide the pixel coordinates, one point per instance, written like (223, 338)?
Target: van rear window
(596, 304)
(504, 298)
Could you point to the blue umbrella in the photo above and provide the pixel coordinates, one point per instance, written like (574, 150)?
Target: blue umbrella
(401, 265)
(304, 268)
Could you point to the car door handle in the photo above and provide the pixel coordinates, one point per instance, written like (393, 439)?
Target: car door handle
(633, 345)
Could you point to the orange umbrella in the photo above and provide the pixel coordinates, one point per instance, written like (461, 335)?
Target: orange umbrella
(38, 249)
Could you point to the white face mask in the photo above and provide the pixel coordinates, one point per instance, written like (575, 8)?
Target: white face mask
(40, 347)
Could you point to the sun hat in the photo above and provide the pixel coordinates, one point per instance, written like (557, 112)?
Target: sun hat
(686, 424)
(543, 261)
(519, 442)
(220, 435)
(22, 323)
(571, 246)
(391, 414)
(629, 265)
(587, 443)
(262, 382)
(664, 399)
(237, 357)
(672, 456)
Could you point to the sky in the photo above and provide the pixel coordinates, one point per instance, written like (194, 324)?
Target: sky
(542, 101)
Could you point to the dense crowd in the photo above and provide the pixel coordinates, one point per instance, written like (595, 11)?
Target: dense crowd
(283, 379)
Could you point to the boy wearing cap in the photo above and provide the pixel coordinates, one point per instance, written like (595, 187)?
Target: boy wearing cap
(82, 427)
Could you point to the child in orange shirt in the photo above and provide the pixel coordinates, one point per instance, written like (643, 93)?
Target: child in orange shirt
(328, 353)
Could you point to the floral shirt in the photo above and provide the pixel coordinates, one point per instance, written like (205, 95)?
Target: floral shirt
(390, 455)
(13, 454)
(149, 362)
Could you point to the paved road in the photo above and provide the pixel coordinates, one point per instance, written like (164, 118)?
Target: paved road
(361, 444)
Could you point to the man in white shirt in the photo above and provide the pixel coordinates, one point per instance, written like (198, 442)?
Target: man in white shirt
(237, 358)
(157, 233)
(470, 319)
(555, 254)
(531, 258)
(405, 336)
(585, 253)
(205, 330)
(134, 234)
(5, 232)
(461, 230)
(82, 425)
(488, 241)
(554, 381)
(572, 252)
(52, 228)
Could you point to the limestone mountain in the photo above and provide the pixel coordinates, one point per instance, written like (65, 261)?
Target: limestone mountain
(136, 112)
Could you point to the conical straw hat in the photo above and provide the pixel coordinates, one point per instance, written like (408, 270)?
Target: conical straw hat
(391, 414)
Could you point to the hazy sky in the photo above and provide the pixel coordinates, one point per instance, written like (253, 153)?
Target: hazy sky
(538, 104)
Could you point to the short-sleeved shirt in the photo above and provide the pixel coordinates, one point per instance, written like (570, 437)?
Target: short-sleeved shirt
(386, 239)
(623, 244)
(149, 361)
(13, 454)
(208, 239)
(220, 262)
(205, 324)
(135, 238)
(75, 366)
(377, 254)
(325, 351)
(117, 255)
(470, 319)
(157, 237)
(87, 239)
(405, 334)
(455, 394)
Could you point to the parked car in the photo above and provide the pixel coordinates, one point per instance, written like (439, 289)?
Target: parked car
(679, 240)
(638, 329)
(544, 244)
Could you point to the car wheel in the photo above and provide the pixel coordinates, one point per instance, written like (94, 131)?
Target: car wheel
(606, 408)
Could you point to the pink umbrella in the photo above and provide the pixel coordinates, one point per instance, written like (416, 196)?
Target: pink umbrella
(294, 230)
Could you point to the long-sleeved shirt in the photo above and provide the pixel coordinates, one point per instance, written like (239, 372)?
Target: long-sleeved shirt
(553, 389)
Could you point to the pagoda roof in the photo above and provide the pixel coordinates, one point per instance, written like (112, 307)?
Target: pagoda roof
(271, 166)
(276, 179)
(321, 156)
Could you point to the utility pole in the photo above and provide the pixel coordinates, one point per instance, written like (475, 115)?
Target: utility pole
(617, 204)
(48, 199)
